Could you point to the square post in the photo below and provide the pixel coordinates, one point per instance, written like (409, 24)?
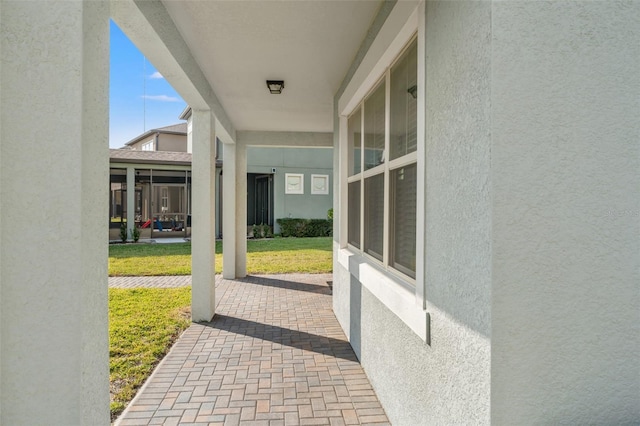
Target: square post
(54, 170)
(203, 240)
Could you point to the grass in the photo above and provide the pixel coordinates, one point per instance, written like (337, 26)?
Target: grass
(143, 324)
(270, 256)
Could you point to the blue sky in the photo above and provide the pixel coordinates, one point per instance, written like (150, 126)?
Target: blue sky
(134, 108)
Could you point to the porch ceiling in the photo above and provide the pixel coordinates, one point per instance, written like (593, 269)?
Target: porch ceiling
(308, 44)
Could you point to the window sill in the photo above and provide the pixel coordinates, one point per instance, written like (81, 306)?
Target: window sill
(396, 294)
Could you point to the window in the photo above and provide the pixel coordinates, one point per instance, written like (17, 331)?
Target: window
(165, 200)
(355, 143)
(382, 189)
(148, 146)
(353, 226)
(374, 128)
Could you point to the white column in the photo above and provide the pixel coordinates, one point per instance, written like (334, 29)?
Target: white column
(241, 210)
(131, 192)
(229, 212)
(54, 172)
(203, 237)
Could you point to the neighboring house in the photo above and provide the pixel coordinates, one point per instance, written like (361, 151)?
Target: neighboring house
(169, 138)
(486, 187)
(160, 166)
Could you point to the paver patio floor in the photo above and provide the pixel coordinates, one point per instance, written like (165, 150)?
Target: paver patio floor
(273, 355)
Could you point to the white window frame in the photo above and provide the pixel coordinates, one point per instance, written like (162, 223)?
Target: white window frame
(148, 146)
(294, 183)
(403, 296)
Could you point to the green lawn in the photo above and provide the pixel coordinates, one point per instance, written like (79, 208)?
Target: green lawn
(143, 324)
(270, 256)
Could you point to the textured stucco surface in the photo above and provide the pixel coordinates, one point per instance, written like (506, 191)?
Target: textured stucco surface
(54, 169)
(566, 181)
(458, 213)
(449, 381)
(203, 297)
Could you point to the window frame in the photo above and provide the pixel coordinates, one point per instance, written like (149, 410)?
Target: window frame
(385, 169)
(406, 301)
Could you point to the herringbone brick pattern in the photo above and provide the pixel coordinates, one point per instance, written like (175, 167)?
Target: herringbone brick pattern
(150, 282)
(273, 355)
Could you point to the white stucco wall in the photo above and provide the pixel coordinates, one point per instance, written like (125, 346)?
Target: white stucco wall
(566, 209)
(448, 381)
(532, 255)
(54, 168)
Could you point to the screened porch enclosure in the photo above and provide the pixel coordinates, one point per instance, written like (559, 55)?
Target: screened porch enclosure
(162, 203)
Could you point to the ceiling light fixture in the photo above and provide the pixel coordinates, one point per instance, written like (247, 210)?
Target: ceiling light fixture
(275, 86)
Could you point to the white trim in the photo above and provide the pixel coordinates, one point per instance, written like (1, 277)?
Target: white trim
(354, 178)
(405, 160)
(401, 294)
(383, 52)
(421, 160)
(148, 166)
(340, 211)
(319, 184)
(396, 294)
(379, 169)
(294, 183)
(385, 185)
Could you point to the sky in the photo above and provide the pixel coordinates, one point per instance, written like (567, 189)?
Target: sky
(139, 97)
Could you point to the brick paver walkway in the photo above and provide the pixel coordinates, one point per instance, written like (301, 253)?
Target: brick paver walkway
(150, 282)
(273, 355)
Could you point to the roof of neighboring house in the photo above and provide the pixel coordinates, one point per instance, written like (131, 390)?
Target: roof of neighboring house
(149, 157)
(185, 114)
(174, 129)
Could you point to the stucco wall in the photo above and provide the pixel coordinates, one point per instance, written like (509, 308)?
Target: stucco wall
(307, 161)
(566, 205)
(54, 171)
(173, 143)
(447, 382)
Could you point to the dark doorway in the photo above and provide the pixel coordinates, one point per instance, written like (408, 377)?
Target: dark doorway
(259, 199)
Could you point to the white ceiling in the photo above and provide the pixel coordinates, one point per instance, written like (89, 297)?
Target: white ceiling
(308, 44)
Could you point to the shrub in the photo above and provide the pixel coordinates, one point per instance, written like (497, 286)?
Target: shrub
(262, 231)
(293, 227)
(123, 232)
(135, 234)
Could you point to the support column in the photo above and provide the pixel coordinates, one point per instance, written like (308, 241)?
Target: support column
(203, 239)
(131, 193)
(54, 172)
(241, 210)
(229, 212)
